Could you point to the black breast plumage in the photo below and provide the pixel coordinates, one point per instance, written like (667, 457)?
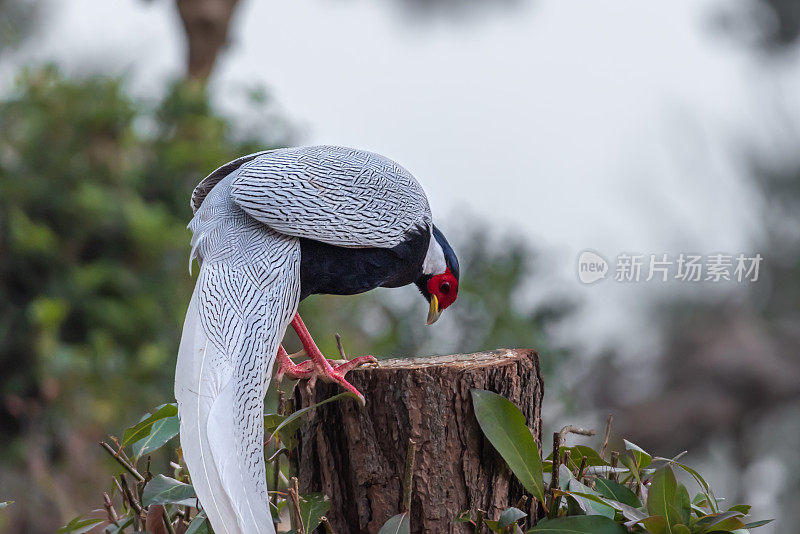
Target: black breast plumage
(333, 270)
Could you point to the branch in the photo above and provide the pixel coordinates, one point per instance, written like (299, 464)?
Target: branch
(556, 460)
(569, 429)
(167, 520)
(128, 467)
(109, 506)
(126, 491)
(581, 469)
(609, 422)
(408, 479)
(614, 463)
(294, 494)
(339, 346)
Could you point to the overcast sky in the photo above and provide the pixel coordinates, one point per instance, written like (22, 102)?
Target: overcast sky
(602, 125)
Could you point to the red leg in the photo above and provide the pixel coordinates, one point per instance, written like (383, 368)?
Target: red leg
(325, 370)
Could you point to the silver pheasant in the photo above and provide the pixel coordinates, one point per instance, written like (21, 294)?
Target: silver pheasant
(270, 229)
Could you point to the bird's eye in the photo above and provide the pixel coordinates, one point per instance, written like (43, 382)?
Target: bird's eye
(445, 287)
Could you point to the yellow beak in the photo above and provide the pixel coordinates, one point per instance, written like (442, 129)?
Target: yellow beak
(434, 312)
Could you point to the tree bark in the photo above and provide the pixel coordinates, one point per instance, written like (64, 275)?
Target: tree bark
(357, 455)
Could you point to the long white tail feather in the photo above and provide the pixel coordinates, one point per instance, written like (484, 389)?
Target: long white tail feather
(196, 389)
(246, 294)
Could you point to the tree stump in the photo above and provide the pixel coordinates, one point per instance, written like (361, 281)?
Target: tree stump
(357, 455)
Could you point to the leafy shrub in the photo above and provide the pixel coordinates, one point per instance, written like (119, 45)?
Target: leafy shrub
(631, 492)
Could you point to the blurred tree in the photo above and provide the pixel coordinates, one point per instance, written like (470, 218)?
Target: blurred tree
(781, 26)
(17, 21)
(771, 25)
(205, 23)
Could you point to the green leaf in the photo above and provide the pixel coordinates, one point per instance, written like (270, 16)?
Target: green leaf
(574, 507)
(642, 458)
(510, 516)
(199, 524)
(114, 529)
(277, 509)
(711, 500)
(580, 524)
(492, 525)
(616, 491)
(464, 517)
(729, 525)
(165, 490)
(312, 507)
(629, 512)
(743, 508)
(756, 524)
(505, 428)
(564, 476)
(725, 521)
(289, 425)
(636, 460)
(594, 506)
(668, 499)
(655, 524)
(628, 461)
(398, 524)
(161, 432)
(271, 422)
(79, 526)
(142, 429)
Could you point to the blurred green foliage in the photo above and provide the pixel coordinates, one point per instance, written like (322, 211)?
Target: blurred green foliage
(93, 263)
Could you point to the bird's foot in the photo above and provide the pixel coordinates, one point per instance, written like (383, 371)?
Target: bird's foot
(323, 369)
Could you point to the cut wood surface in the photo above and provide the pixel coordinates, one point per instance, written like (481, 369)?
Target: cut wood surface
(357, 455)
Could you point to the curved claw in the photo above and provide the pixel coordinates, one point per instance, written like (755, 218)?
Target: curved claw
(336, 374)
(349, 365)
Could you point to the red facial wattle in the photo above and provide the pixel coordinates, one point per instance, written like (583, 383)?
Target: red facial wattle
(445, 287)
